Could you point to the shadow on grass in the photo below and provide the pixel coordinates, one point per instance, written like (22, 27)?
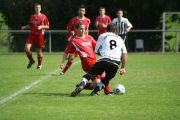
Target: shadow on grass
(54, 94)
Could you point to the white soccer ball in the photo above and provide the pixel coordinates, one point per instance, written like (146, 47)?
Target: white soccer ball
(119, 89)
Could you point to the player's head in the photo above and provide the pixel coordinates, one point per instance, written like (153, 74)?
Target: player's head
(111, 28)
(119, 13)
(102, 10)
(81, 11)
(80, 28)
(37, 8)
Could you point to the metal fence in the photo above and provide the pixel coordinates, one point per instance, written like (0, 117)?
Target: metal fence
(152, 40)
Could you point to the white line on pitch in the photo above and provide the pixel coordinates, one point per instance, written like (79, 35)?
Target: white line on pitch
(28, 87)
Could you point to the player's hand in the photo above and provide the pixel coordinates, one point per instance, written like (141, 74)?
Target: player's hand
(23, 27)
(40, 27)
(103, 25)
(127, 30)
(72, 33)
(122, 71)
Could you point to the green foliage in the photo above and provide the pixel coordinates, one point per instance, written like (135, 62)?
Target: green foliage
(3, 35)
(152, 91)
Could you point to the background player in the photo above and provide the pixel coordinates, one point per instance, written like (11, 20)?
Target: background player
(111, 48)
(123, 25)
(38, 22)
(84, 45)
(102, 21)
(71, 32)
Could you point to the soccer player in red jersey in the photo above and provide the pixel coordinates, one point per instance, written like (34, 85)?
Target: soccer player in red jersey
(72, 32)
(84, 45)
(38, 22)
(102, 21)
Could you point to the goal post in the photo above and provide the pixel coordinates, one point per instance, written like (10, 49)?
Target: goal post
(164, 30)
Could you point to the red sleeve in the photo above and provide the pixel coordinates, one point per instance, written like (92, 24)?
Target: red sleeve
(69, 26)
(93, 43)
(96, 21)
(70, 48)
(109, 20)
(46, 21)
(89, 21)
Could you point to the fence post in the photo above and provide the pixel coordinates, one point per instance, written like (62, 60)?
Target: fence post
(163, 32)
(50, 49)
(177, 42)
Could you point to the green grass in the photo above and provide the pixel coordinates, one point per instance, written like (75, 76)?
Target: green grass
(152, 91)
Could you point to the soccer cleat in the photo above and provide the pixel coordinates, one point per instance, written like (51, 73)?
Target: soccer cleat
(39, 67)
(110, 94)
(94, 94)
(77, 91)
(61, 72)
(30, 64)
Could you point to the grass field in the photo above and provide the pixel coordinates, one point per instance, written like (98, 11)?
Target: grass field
(152, 91)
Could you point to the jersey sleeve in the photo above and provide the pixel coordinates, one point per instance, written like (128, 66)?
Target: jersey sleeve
(93, 43)
(46, 21)
(123, 49)
(109, 20)
(114, 21)
(70, 48)
(69, 26)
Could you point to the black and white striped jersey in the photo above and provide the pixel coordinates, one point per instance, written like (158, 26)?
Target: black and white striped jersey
(122, 24)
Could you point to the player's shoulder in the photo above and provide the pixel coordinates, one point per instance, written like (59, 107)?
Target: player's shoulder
(108, 17)
(125, 19)
(115, 20)
(89, 37)
(86, 18)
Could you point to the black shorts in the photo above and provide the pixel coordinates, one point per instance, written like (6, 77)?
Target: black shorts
(108, 67)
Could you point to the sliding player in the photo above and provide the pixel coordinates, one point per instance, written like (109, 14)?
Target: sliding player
(37, 24)
(84, 45)
(102, 21)
(71, 32)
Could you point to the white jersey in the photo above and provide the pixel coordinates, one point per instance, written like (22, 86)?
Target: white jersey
(122, 24)
(110, 46)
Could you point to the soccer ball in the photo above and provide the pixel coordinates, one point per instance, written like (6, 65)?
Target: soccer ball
(119, 89)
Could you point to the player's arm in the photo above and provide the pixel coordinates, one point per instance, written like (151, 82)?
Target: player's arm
(26, 27)
(69, 27)
(129, 26)
(45, 24)
(96, 22)
(122, 69)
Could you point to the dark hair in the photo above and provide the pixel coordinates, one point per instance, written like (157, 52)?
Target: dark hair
(36, 4)
(102, 8)
(111, 27)
(81, 6)
(78, 25)
(120, 10)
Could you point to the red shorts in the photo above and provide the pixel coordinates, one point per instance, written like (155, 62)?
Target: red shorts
(36, 40)
(87, 64)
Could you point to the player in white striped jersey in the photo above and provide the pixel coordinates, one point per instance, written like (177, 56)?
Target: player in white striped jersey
(112, 51)
(123, 25)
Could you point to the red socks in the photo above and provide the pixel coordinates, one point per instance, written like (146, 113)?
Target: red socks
(40, 60)
(88, 86)
(68, 64)
(29, 56)
(107, 89)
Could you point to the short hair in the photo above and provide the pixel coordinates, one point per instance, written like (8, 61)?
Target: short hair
(111, 27)
(120, 10)
(36, 4)
(102, 8)
(78, 25)
(81, 6)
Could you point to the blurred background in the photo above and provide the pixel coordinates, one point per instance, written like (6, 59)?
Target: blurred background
(145, 15)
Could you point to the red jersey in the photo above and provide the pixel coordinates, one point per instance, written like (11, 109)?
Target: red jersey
(106, 20)
(36, 21)
(75, 20)
(84, 46)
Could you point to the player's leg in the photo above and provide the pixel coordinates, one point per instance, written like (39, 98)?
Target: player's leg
(68, 64)
(39, 57)
(110, 70)
(27, 49)
(39, 43)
